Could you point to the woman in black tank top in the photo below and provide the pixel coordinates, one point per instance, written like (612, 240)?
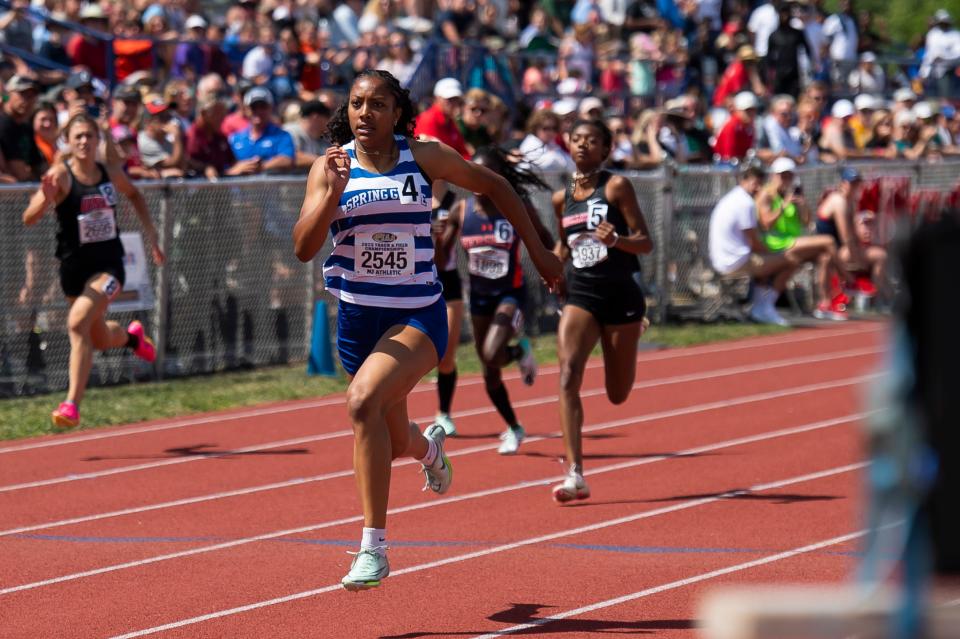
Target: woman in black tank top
(84, 195)
(602, 231)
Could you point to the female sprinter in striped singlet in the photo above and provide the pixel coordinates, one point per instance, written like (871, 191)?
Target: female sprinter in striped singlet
(84, 195)
(371, 190)
(497, 292)
(601, 232)
(446, 229)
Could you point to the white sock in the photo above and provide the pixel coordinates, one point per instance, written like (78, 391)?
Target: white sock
(772, 297)
(432, 451)
(760, 294)
(374, 539)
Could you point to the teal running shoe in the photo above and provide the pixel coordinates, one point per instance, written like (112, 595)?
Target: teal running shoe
(369, 567)
(443, 419)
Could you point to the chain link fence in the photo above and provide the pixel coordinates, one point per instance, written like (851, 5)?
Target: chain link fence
(233, 295)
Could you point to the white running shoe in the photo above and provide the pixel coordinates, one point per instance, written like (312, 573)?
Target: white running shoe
(443, 419)
(528, 365)
(573, 487)
(510, 440)
(440, 474)
(368, 568)
(763, 310)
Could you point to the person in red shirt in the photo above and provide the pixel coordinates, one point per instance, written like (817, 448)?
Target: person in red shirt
(208, 150)
(737, 135)
(741, 75)
(87, 51)
(439, 122)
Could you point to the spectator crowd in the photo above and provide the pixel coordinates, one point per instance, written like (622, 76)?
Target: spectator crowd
(186, 92)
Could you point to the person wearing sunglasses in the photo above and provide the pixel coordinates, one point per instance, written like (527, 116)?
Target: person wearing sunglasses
(473, 120)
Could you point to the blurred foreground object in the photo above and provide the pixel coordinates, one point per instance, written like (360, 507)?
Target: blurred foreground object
(913, 543)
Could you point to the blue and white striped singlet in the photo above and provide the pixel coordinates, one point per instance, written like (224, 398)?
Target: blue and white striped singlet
(383, 247)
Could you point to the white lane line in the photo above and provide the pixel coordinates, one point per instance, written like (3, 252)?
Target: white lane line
(464, 451)
(549, 399)
(789, 338)
(503, 548)
(680, 583)
(444, 501)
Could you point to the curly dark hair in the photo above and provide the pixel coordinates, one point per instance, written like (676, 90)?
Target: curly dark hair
(338, 128)
(521, 178)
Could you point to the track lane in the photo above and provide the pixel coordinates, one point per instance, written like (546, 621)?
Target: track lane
(261, 562)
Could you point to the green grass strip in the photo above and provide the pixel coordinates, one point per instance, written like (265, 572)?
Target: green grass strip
(30, 416)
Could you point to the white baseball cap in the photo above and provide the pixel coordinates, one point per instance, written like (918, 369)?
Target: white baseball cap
(842, 109)
(745, 100)
(904, 95)
(567, 86)
(590, 103)
(868, 56)
(904, 117)
(92, 12)
(867, 102)
(924, 110)
(783, 165)
(564, 106)
(195, 22)
(447, 88)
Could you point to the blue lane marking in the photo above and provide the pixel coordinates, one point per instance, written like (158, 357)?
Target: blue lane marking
(636, 550)
(671, 550)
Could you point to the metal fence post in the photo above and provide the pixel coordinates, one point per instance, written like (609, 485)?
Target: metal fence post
(308, 304)
(162, 292)
(664, 283)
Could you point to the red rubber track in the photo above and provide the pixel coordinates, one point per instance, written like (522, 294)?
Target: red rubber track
(747, 414)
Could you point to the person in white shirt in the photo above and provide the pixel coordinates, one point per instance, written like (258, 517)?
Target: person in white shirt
(540, 147)
(763, 21)
(776, 139)
(842, 36)
(941, 49)
(813, 20)
(736, 247)
(868, 77)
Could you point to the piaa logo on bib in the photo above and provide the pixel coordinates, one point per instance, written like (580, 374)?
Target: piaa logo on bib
(384, 237)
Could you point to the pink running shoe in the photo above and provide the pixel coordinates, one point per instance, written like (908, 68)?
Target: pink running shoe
(67, 415)
(145, 350)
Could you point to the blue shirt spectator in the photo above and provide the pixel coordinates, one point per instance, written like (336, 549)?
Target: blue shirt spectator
(671, 13)
(263, 141)
(273, 142)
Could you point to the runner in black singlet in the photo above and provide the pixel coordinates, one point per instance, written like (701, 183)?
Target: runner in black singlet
(602, 231)
(84, 194)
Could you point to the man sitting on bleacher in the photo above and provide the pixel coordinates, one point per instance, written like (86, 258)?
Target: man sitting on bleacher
(737, 250)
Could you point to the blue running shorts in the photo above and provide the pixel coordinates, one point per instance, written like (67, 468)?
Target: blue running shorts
(359, 328)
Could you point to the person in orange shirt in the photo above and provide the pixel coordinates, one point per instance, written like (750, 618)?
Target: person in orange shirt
(45, 133)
